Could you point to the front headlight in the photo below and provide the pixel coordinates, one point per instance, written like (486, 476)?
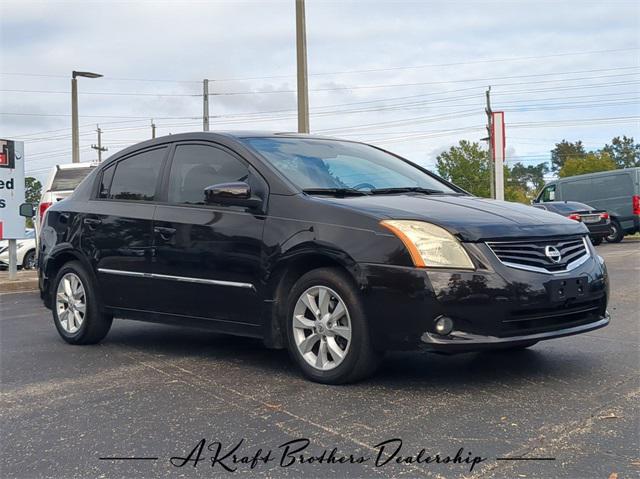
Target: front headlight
(430, 245)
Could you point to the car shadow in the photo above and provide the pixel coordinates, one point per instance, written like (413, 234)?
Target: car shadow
(398, 369)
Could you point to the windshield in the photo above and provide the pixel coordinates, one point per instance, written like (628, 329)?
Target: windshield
(314, 164)
(68, 178)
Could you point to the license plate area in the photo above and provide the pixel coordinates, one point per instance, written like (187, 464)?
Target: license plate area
(566, 289)
(591, 219)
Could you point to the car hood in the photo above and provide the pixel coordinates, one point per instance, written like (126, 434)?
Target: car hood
(468, 217)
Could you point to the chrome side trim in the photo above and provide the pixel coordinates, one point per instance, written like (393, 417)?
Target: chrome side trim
(570, 266)
(184, 279)
(124, 273)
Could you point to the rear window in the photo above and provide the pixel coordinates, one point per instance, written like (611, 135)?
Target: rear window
(68, 179)
(570, 206)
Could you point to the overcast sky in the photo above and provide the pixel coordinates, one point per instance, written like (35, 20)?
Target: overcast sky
(409, 76)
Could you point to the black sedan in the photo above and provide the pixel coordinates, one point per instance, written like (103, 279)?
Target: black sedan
(597, 221)
(334, 249)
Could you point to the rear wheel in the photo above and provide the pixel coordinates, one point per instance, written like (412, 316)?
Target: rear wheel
(328, 335)
(616, 233)
(76, 312)
(596, 241)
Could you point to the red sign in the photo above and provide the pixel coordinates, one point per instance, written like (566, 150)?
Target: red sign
(4, 159)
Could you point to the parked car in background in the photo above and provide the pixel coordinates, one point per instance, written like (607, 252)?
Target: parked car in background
(60, 183)
(615, 191)
(25, 250)
(596, 221)
(336, 250)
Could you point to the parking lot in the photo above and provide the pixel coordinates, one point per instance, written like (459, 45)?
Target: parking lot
(153, 392)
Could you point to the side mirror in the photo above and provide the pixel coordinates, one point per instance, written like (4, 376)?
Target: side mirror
(235, 194)
(28, 210)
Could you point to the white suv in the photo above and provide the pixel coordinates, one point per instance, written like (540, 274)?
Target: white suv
(61, 182)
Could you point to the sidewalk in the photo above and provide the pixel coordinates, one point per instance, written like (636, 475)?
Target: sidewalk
(25, 281)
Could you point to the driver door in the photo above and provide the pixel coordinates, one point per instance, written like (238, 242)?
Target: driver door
(207, 257)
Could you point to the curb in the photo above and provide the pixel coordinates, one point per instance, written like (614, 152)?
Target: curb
(18, 285)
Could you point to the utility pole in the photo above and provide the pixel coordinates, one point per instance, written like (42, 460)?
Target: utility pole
(99, 146)
(303, 86)
(205, 105)
(490, 141)
(153, 129)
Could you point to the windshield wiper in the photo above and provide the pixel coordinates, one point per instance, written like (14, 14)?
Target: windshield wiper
(405, 189)
(335, 191)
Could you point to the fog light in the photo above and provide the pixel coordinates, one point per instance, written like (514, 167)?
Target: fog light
(444, 325)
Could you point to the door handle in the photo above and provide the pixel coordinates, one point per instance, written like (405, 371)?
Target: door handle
(92, 222)
(164, 232)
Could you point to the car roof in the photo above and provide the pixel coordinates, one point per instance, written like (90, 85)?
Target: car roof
(73, 166)
(236, 135)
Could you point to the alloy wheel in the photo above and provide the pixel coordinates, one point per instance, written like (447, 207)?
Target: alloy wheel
(322, 328)
(71, 302)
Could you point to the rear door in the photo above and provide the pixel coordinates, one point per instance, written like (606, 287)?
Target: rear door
(207, 257)
(117, 235)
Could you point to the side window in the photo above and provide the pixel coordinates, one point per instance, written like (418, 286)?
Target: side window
(195, 167)
(136, 177)
(105, 181)
(549, 193)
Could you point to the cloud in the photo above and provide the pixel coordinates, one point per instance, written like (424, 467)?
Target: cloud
(183, 42)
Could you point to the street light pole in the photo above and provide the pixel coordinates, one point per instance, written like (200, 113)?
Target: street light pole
(75, 140)
(303, 86)
(75, 134)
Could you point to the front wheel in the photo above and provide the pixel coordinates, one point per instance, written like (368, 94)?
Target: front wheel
(616, 233)
(596, 241)
(76, 312)
(327, 332)
(29, 260)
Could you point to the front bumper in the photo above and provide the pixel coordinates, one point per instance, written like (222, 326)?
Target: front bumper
(599, 230)
(494, 306)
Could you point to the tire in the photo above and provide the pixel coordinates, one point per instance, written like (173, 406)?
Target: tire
(74, 326)
(29, 260)
(616, 233)
(596, 241)
(331, 289)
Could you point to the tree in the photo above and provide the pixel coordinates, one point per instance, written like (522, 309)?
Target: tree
(565, 150)
(530, 178)
(591, 163)
(32, 190)
(32, 193)
(466, 165)
(624, 152)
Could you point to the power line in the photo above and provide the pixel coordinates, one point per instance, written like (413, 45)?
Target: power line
(360, 87)
(370, 70)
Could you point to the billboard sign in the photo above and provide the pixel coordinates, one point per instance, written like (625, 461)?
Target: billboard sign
(11, 189)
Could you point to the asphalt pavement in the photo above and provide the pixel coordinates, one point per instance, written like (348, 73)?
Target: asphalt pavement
(159, 401)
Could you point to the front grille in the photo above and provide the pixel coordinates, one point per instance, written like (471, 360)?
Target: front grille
(532, 321)
(532, 255)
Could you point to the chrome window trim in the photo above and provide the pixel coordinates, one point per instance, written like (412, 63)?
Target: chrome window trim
(570, 266)
(185, 279)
